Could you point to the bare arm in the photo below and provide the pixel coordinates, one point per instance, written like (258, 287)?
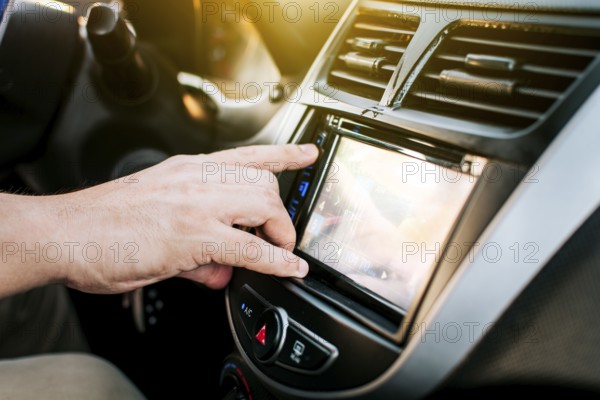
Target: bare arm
(174, 219)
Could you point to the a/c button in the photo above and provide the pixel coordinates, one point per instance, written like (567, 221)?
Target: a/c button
(250, 309)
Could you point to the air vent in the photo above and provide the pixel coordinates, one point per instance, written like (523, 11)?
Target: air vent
(371, 51)
(507, 78)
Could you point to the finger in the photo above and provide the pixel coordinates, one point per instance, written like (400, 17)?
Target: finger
(214, 172)
(282, 242)
(259, 207)
(213, 275)
(243, 249)
(204, 169)
(272, 158)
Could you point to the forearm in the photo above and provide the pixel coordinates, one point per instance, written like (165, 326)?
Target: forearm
(173, 219)
(70, 238)
(30, 236)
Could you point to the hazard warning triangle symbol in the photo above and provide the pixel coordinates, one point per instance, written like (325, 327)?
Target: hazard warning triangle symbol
(261, 336)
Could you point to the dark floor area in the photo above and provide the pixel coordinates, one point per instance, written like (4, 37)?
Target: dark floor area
(190, 329)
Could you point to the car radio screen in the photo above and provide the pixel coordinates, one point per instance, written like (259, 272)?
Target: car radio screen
(382, 217)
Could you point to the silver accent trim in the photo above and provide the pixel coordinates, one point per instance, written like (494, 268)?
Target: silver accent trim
(337, 126)
(357, 61)
(484, 61)
(467, 82)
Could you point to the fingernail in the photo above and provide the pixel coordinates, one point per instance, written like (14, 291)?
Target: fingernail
(302, 269)
(309, 148)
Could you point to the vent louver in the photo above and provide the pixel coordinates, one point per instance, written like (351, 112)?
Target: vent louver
(502, 77)
(370, 52)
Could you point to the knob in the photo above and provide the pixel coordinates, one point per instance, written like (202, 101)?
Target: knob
(233, 383)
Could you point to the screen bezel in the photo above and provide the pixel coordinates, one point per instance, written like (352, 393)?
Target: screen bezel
(336, 129)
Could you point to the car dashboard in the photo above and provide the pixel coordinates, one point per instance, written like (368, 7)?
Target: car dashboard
(454, 147)
(451, 221)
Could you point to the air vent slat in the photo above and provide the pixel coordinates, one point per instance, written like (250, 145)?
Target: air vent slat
(511, 76)
(528, 46)
(371, 52)
(527, 91)
(536, 69)
(514, 112)
(451, 57)
(536, 92)
(395, 49)
(358, 79)
(540, 69)
(382, 28)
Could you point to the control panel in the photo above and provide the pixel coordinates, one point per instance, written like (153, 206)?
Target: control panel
(303, 182)
(286, 333)
(278, 339)
(345, 324)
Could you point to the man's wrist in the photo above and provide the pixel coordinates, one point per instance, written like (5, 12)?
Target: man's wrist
(39, 238)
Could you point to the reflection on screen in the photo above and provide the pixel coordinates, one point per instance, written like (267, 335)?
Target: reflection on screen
(381, 218)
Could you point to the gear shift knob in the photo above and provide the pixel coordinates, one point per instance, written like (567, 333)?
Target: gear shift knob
(124, 71)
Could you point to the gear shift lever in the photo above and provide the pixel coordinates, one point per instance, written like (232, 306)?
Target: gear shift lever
(124, 71)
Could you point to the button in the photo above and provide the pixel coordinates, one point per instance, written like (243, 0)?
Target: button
(261, 336)
(301, 352)
(303, 188)
(320, 139)
(293, 208)
(250, 309)
(267, 334)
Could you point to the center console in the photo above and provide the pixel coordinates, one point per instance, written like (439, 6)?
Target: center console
(417, 220)
(377, 217)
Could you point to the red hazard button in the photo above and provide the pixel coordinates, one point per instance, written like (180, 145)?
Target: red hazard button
(261, 336)
(268, 332)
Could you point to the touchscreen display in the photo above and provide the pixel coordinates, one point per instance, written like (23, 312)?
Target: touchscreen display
(382, 217)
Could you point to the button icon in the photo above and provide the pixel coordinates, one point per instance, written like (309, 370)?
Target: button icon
(261, 336)
(302, 352)
(267, 334)
(248, 312)
(303, 188)
(297, 351)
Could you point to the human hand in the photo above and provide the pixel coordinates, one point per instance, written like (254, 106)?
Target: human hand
(177, 218)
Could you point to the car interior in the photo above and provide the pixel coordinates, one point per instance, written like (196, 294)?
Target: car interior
(451, 221)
